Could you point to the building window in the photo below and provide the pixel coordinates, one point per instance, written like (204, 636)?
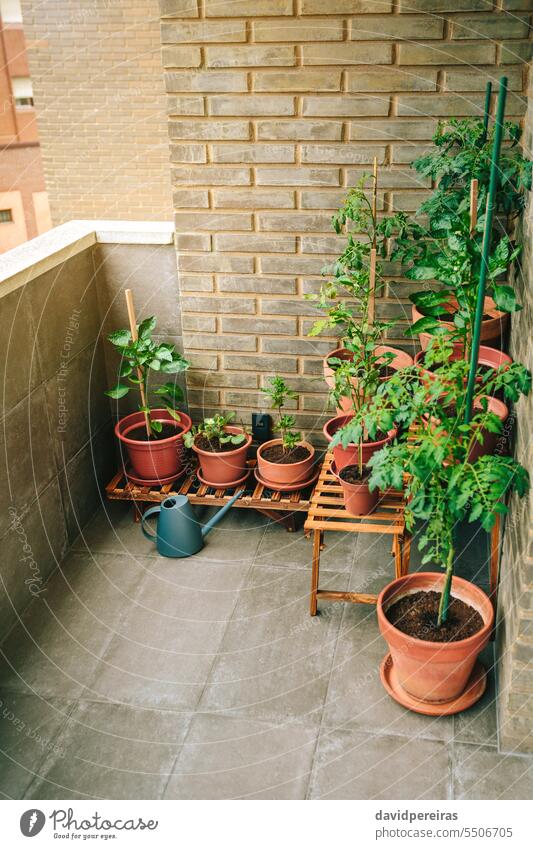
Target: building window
(6, 215)
(22, 91)
(11, 11)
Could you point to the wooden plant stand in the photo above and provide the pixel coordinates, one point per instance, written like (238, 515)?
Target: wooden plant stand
(278, 506)
(327, 513)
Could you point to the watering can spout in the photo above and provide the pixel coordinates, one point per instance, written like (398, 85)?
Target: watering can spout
(178, 531)
(214, 520)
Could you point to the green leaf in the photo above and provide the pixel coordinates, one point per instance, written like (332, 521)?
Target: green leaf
(426, 324)
(156, 425)
(120, 338)
(118, 391)
(146, 326)
(505, 298)
(174, 413)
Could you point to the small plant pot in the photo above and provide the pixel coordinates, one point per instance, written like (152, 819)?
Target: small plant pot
(493, 328)
(285, 473)
(429, 671)
(401, 360)
(349, 456)
(158, 458)
(224, 467)
(358, 500)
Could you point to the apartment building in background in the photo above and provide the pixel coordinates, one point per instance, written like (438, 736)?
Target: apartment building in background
(24, 210)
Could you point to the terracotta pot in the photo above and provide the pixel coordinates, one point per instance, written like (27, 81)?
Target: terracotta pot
(490, 357)
(349, 456)
(492, 329)
(157, 459)
(224, 467)
(285, 473)
(490, 440)
(401, 360)
(429, 671)
(358, 500)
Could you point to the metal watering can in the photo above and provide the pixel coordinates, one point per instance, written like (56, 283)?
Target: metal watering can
(179, 533)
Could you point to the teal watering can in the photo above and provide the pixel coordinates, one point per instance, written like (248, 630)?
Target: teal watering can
(179, 533)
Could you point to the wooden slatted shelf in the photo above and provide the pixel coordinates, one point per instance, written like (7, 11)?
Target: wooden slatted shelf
(279, 506)
(327, 513)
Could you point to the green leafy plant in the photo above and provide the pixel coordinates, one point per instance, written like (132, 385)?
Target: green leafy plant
(463, 153)
(214, 430)
(444, 479)
(279, 393)
(138, 358)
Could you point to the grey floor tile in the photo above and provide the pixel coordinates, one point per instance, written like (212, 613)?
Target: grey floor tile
(356, 765)
(481, 772)
(356, 698)
(226, 757)
(275, 659)
(373, 563)
(113, 530)
(28, 733)
(63, 634)
(295, 551)
(165, 647)
(112, 752)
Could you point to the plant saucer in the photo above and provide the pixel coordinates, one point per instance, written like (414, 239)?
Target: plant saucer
(287, 487)
(471, 694)
(228, 485)
(153, 481)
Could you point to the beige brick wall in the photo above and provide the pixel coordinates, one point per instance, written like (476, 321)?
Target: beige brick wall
(515, 627)
(101, 107)
(276, 108)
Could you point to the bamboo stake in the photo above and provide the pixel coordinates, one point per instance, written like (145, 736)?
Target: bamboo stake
(473, 204)
(493, 183)
(375, 199)
(372, 287)
(135, 336)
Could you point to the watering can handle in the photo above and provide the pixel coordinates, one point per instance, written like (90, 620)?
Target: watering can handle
(151, 512)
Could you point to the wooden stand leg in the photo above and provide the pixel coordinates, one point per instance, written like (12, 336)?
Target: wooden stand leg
(406, 553)
(317, 541)
(397, 550)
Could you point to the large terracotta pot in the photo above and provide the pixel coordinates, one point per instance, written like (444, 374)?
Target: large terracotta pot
(285, 473)
(159, 458)
(349, 456)
(490, 440)
(492, 329)
(401, 360)
(358, 500)
(489, 357)
(429, 671)
(226, 467)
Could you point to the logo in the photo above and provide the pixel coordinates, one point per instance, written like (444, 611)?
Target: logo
(32, 822)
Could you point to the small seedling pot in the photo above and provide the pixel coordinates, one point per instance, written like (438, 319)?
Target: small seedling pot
(285, 473)
(401, 360)
(224, 467)
(492, 329)
(349, 456)
(429, 671)
(158, 458)
(358, 500)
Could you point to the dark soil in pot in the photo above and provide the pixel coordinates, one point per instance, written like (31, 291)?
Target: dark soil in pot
(140, 435)
(214, 446)
(350, 474)
(416, 615)
(276, 454)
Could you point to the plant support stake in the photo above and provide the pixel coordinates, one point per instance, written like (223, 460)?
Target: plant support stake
(134, 336)
(488, 92)
(485, 250)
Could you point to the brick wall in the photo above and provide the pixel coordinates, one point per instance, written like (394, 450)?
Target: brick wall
(275, 110)
(515, 626)
(97, 79)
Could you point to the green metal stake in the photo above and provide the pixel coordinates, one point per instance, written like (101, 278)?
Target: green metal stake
(488, 92)
(485, 250)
